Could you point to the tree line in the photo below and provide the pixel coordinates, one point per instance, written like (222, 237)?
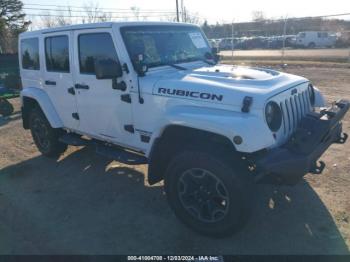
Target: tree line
(14, 21)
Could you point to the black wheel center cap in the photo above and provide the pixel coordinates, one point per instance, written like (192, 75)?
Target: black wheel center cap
(203, 195)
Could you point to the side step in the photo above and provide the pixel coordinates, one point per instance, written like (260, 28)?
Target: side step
(121, 155)
(73, 139)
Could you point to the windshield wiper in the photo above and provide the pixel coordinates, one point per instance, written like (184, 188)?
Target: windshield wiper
(194, 59)
(207, 61)
(176, 66)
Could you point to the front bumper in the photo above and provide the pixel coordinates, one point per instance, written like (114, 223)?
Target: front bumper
(299, 156)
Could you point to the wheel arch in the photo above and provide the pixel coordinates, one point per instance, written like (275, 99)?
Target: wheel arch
(34, 97)
(177, 137)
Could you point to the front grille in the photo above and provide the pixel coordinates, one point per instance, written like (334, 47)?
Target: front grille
(293, 109)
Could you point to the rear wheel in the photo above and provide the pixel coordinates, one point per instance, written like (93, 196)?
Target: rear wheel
(45, 137)
(206, 193)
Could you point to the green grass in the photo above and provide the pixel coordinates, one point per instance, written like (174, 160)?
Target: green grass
(9, 96)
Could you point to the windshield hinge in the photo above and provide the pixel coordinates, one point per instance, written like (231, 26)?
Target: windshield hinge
(126, 98)
(247, 102)
(126, 68)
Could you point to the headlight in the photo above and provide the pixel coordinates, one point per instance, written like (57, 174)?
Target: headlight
(273, 116)
(311, 92)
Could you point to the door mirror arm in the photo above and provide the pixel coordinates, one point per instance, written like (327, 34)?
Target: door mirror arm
(118, 86)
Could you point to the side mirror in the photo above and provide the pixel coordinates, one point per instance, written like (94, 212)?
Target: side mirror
(108, 69)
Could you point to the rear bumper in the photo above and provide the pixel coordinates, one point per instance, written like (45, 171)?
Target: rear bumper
(299, 156)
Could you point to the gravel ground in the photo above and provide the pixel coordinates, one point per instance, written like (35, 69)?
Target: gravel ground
(83, 203)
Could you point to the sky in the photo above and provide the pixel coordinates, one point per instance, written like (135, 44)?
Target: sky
(221, 10)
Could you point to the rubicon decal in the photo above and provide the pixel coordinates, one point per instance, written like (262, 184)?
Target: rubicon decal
(193, 94)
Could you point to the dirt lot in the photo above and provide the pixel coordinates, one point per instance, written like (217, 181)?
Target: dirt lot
(85, 204)
(331, 55)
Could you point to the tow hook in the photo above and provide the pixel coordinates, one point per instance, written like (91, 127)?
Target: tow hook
(317, 168)
(342, 138)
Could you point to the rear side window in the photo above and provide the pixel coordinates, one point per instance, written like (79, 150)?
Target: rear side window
(92, 47)
(30, 53)
(57, 54)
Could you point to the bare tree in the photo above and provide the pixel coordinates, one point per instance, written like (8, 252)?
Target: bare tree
(95, 14)
(92, 12)
(169, 18)
(136, 12)
(190, 18)
(65, 17)
(105, 17)
(258, 16)
(48, 20)
(61, 18)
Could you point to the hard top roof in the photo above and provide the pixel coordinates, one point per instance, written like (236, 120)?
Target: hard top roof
(97, 25)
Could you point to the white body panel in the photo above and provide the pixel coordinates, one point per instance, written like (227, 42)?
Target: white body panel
(217, 93)
(102, 113)
(64, 103)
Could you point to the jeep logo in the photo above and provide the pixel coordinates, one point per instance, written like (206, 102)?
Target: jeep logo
(193, 94)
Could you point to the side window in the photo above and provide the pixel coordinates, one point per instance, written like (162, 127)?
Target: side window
(30, 53)
(57, 54)
(302, 35)
(94, 46)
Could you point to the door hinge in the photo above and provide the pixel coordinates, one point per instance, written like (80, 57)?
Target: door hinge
(126, 68)
(129, 128)
(145, 139)
(75, 116)
(71, 90)
(126, 98)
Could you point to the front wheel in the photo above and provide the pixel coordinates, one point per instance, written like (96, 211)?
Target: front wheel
(206, 193)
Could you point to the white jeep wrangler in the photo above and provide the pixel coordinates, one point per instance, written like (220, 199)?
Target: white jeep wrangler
(154, 93)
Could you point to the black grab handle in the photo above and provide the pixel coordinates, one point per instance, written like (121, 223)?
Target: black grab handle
(80, 86)
(50, 83)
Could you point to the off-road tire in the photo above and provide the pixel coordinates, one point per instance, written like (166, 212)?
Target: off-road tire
(6, 108)
(311, 45)
(237, 189)
(45, 137)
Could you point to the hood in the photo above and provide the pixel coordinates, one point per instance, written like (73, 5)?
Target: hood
(221, 83)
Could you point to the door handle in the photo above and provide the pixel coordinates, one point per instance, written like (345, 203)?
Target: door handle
(80, 86)
(50, 83)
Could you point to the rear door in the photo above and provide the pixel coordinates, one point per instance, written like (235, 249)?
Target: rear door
(102, 111)
(58, 76)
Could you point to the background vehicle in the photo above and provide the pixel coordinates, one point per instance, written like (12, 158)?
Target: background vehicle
(312, 39)
(210, 131)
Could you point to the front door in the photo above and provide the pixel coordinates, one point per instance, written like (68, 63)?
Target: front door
(58, 80)
(102, 113)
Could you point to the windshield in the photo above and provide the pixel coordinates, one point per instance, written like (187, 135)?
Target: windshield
(163, 45)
